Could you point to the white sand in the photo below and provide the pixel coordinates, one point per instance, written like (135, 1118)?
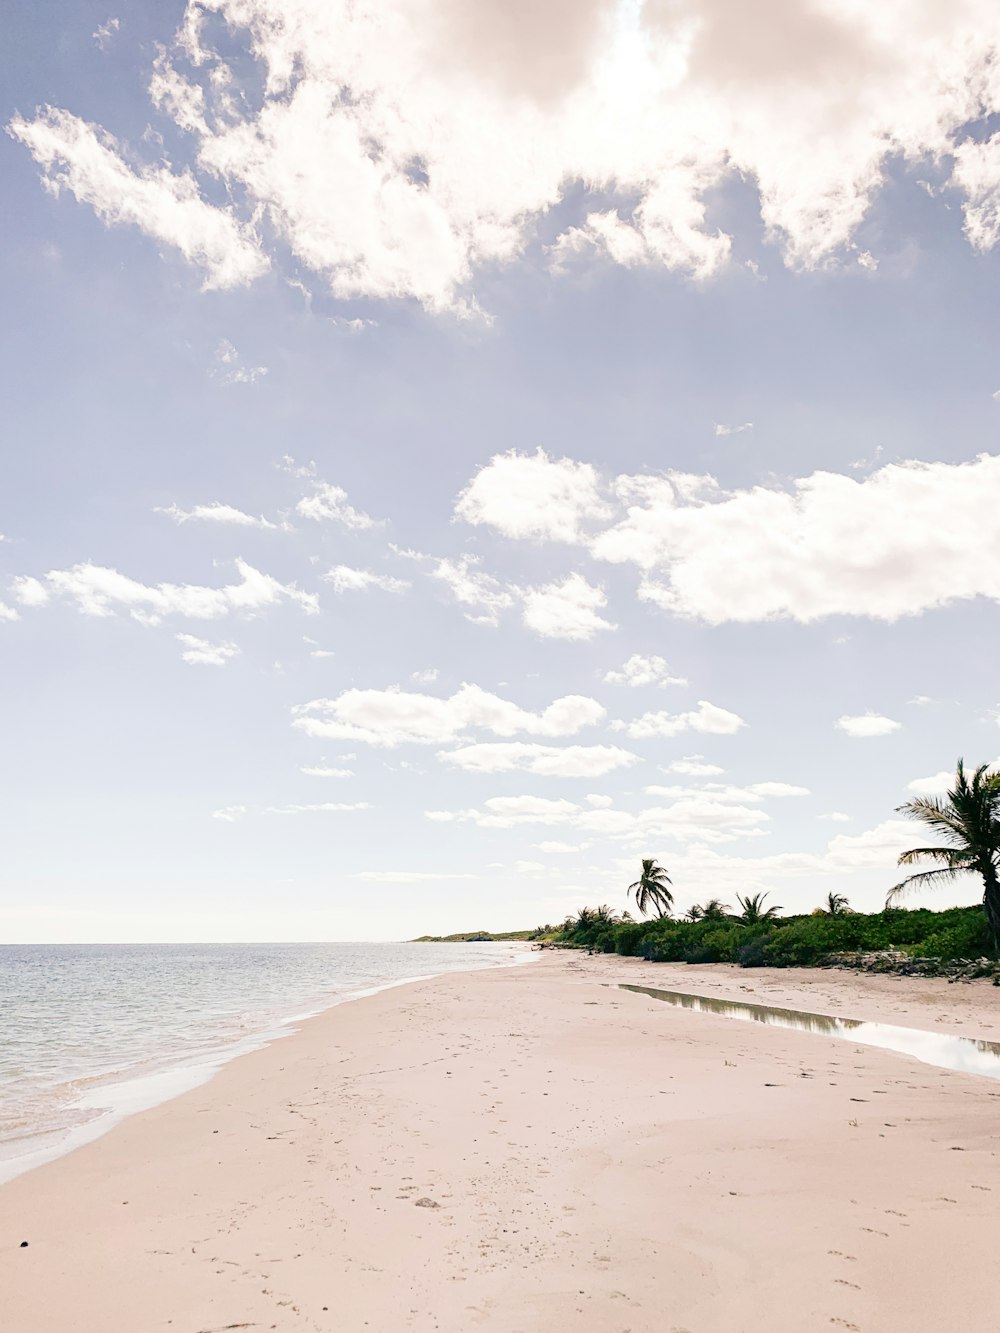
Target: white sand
(599, 1162)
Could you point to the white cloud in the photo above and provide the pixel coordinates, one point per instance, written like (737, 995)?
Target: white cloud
(936, 785)
(706, 717)
(865, 725)
(325, 771)
(98, 591)
(330, 503)
(553, 848)
(566, 610)
(105, 31)
(405, 876)
(92, 166)
(533, 496)
(8, 613)
(721, 429)
(569, 761)
(345, 579)
(877, 848)
(484, 594)
(320, 652)
(693, 766)
(657, 105)
(771, 789)
(29, 591)
(199, 652)
(331, 807)
(639, 670)
(230, 813)
(695, 817)
(426, 677)
(229, 370)
(837, 817)
(906, 538)
(392, 717)
(216, 512)
(716, 791)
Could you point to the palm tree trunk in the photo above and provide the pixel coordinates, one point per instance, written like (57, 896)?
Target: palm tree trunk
(991, 901)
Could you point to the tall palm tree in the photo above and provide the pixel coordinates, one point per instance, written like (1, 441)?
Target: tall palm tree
(836, 904)
(693, 913)
(754, 911)
(968, 819)
(652, 889)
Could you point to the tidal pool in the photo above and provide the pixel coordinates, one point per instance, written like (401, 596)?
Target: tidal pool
(964, 1054)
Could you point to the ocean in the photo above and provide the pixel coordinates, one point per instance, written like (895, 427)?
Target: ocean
(90, 1033)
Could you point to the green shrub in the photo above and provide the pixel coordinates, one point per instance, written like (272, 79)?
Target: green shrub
(793, 941)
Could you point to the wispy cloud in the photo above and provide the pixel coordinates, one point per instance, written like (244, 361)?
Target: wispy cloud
(721, 429)
(199, 652)
(216, 512)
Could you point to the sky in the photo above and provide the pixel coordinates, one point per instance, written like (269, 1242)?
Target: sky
(453, 452)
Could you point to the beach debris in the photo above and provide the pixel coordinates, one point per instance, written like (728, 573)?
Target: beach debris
(426, 1203)
(23, 1245)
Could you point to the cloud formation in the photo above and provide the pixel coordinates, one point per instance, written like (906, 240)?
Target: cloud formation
(533, 496)
(647, 107)
(707, 717)
(199, 652)
(865, 725)
(639, 671)
(394, 717)
(93, 166)
(345, 579)
(216, 512)
(98, 591)
(566, 610)
(330, 504)
(553, 761)
(901, 540)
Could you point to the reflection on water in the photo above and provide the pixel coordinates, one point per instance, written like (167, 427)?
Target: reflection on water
(933, 1048)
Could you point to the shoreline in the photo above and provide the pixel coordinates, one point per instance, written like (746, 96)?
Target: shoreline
(117, 1095)
(521, 1148)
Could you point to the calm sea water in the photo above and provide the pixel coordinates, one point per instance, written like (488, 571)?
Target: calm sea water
(92, 1032)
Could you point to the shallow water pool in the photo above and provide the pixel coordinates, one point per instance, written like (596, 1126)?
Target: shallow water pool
(964, 1054)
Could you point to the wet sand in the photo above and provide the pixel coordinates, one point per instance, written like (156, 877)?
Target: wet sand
(529, 1150)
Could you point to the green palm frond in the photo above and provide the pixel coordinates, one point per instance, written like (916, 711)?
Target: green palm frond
(967, 818)
(945, 875)
(951, 855)
(652, 888)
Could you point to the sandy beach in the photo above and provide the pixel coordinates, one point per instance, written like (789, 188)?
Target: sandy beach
(532, 1149)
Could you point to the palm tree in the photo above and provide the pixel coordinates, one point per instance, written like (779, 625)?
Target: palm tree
(652, 889)
(693, 913)
(968, 819)
(713, 910)
(836, 904)
(754, 911)
(603, 915)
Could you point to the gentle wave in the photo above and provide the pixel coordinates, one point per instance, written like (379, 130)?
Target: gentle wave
(91, 1033)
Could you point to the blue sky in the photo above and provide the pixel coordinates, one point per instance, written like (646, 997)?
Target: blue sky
(368, 395)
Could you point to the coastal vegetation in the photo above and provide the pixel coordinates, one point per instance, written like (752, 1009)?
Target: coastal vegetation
(488, 937)
(966, 820)
(787, 941)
